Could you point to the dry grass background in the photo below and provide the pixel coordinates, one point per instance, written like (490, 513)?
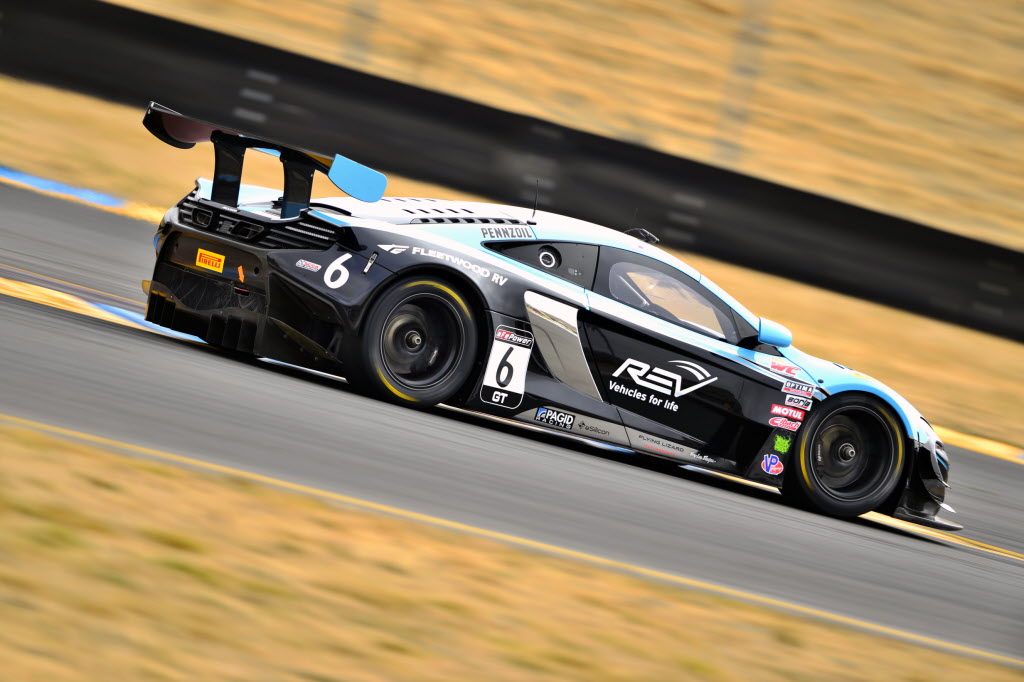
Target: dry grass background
(115, 568)
(912, 107)
(959, 378)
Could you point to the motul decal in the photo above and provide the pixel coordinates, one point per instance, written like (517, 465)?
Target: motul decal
(787, 411)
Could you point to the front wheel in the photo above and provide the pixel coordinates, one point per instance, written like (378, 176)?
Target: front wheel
(849, 458)
(418, 344)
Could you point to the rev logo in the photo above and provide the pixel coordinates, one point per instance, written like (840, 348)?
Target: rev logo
(771, 465)
(663, 381)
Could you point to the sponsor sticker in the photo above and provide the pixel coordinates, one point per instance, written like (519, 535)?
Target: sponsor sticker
(797, 388)
(393, 248)
(210, 260)
(782, 444)
(308, 265)
(514, 336)
(787, 411)
(505, 374)
(558, 418)
(657, 380)
(797, 401)
(480, 270)
(784, 368)
(772, 465)
(507, 232)
(783, 423)
(592, 428)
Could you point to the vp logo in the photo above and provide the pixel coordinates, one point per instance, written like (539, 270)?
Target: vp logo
(771, 465)
(663, 381)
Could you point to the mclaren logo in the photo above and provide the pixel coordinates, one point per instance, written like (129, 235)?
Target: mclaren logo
(663, 381)
(393, 248)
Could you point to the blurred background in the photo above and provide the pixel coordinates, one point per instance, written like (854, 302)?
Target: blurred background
(815, 158)
(850, 169)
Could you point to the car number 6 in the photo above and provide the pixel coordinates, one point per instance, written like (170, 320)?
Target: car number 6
(336, 273)
(505, 369)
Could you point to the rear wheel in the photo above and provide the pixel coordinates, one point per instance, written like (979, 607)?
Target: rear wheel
(418, 344)
(850, 455)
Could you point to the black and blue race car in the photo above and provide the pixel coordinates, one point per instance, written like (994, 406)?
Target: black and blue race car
(530, 316)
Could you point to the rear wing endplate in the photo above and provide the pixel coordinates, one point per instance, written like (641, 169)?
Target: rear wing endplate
(230, 145)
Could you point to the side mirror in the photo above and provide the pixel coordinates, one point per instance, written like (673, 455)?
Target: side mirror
(774, 334)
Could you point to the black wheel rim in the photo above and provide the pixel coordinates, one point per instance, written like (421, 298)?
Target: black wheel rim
(422, 340)
(853, 452)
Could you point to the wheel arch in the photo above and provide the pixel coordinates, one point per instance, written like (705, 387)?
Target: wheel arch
(904, 416)
(476, 301)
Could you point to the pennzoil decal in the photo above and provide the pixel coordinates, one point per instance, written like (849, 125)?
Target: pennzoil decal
(507, 232)
(210, 260)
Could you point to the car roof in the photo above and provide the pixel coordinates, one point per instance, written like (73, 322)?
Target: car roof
(435, 214)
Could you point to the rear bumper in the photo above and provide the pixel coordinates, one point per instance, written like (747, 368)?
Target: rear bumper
(248, 302)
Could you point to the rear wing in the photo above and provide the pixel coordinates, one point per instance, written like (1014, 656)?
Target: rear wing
(230, 145)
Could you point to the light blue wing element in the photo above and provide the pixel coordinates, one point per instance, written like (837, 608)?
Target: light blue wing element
(357, 180)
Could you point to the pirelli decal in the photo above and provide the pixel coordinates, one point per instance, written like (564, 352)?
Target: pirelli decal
(210, 260)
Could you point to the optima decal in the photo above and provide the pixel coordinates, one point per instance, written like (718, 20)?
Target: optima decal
(797, 388)
(516, 232)
(787, 411)
(210, 260)
(661, 381)
(783, 423)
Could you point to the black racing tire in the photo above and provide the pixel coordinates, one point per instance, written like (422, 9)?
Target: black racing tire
(417, 346)
(850, 456)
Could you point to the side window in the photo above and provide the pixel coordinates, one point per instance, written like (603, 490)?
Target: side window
(664, 292)
(574, 262)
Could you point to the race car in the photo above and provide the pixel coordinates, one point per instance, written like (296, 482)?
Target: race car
(540, 319)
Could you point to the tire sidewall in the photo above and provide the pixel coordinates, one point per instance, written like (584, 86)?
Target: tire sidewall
(802, 486)
(368, 367)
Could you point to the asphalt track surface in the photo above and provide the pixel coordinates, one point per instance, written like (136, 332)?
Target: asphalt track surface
(139, 387)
